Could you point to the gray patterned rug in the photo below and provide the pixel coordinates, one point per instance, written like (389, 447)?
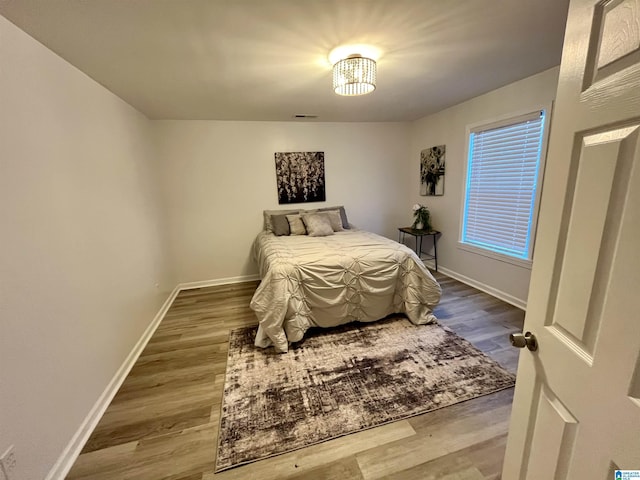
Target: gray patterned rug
(343, 380)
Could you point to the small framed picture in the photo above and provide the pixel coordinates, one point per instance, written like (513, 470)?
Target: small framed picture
(432, 170)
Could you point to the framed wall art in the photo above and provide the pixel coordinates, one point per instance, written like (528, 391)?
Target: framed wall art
(300, 177)
(432, 170)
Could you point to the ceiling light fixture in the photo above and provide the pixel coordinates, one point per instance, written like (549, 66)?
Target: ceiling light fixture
(354, 75)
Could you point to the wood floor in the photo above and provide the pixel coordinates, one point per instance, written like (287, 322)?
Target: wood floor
(163, 422)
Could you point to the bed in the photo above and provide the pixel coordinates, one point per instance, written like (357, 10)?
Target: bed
(325, 281)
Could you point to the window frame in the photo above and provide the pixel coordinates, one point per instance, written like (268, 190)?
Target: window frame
(504, 120)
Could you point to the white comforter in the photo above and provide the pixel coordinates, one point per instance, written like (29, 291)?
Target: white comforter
(327, 281)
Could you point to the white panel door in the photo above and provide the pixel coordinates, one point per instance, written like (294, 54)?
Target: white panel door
(576, 412)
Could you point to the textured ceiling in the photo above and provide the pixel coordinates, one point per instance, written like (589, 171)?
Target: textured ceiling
(267, 59)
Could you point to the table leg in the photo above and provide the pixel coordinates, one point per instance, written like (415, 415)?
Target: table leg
(435, 252)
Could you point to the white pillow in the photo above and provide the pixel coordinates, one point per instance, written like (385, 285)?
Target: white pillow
(318, 224)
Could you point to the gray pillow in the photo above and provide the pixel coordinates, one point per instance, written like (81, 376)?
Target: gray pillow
(268, 224)
(343, 215)
(334, 219)
(317, 224)
(280, 225)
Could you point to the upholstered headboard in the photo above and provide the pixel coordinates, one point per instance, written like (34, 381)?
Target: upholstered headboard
(276, 221)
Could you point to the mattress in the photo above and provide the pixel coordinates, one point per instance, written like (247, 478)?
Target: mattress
(350, 276)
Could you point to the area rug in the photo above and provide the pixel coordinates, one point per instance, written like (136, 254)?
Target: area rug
(340, 381)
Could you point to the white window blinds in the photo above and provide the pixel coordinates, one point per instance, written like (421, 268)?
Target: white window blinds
(502, 177)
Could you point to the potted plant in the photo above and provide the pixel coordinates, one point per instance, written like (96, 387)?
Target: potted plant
(421, 217)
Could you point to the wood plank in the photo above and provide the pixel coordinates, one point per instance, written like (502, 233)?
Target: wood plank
(163, 423)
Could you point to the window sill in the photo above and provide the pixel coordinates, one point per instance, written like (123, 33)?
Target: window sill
(495, 255)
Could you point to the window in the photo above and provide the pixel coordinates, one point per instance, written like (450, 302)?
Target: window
(501, 197)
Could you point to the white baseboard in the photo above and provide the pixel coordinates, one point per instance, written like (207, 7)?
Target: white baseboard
(218, 281)
(505, 297)
(70, 454)
(73, 449)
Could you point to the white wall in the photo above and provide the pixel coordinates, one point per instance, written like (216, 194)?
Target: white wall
(96, 203)
(82, 246)
(448, 127)
(219, 176)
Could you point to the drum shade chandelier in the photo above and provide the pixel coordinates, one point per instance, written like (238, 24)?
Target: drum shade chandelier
(354, 75)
